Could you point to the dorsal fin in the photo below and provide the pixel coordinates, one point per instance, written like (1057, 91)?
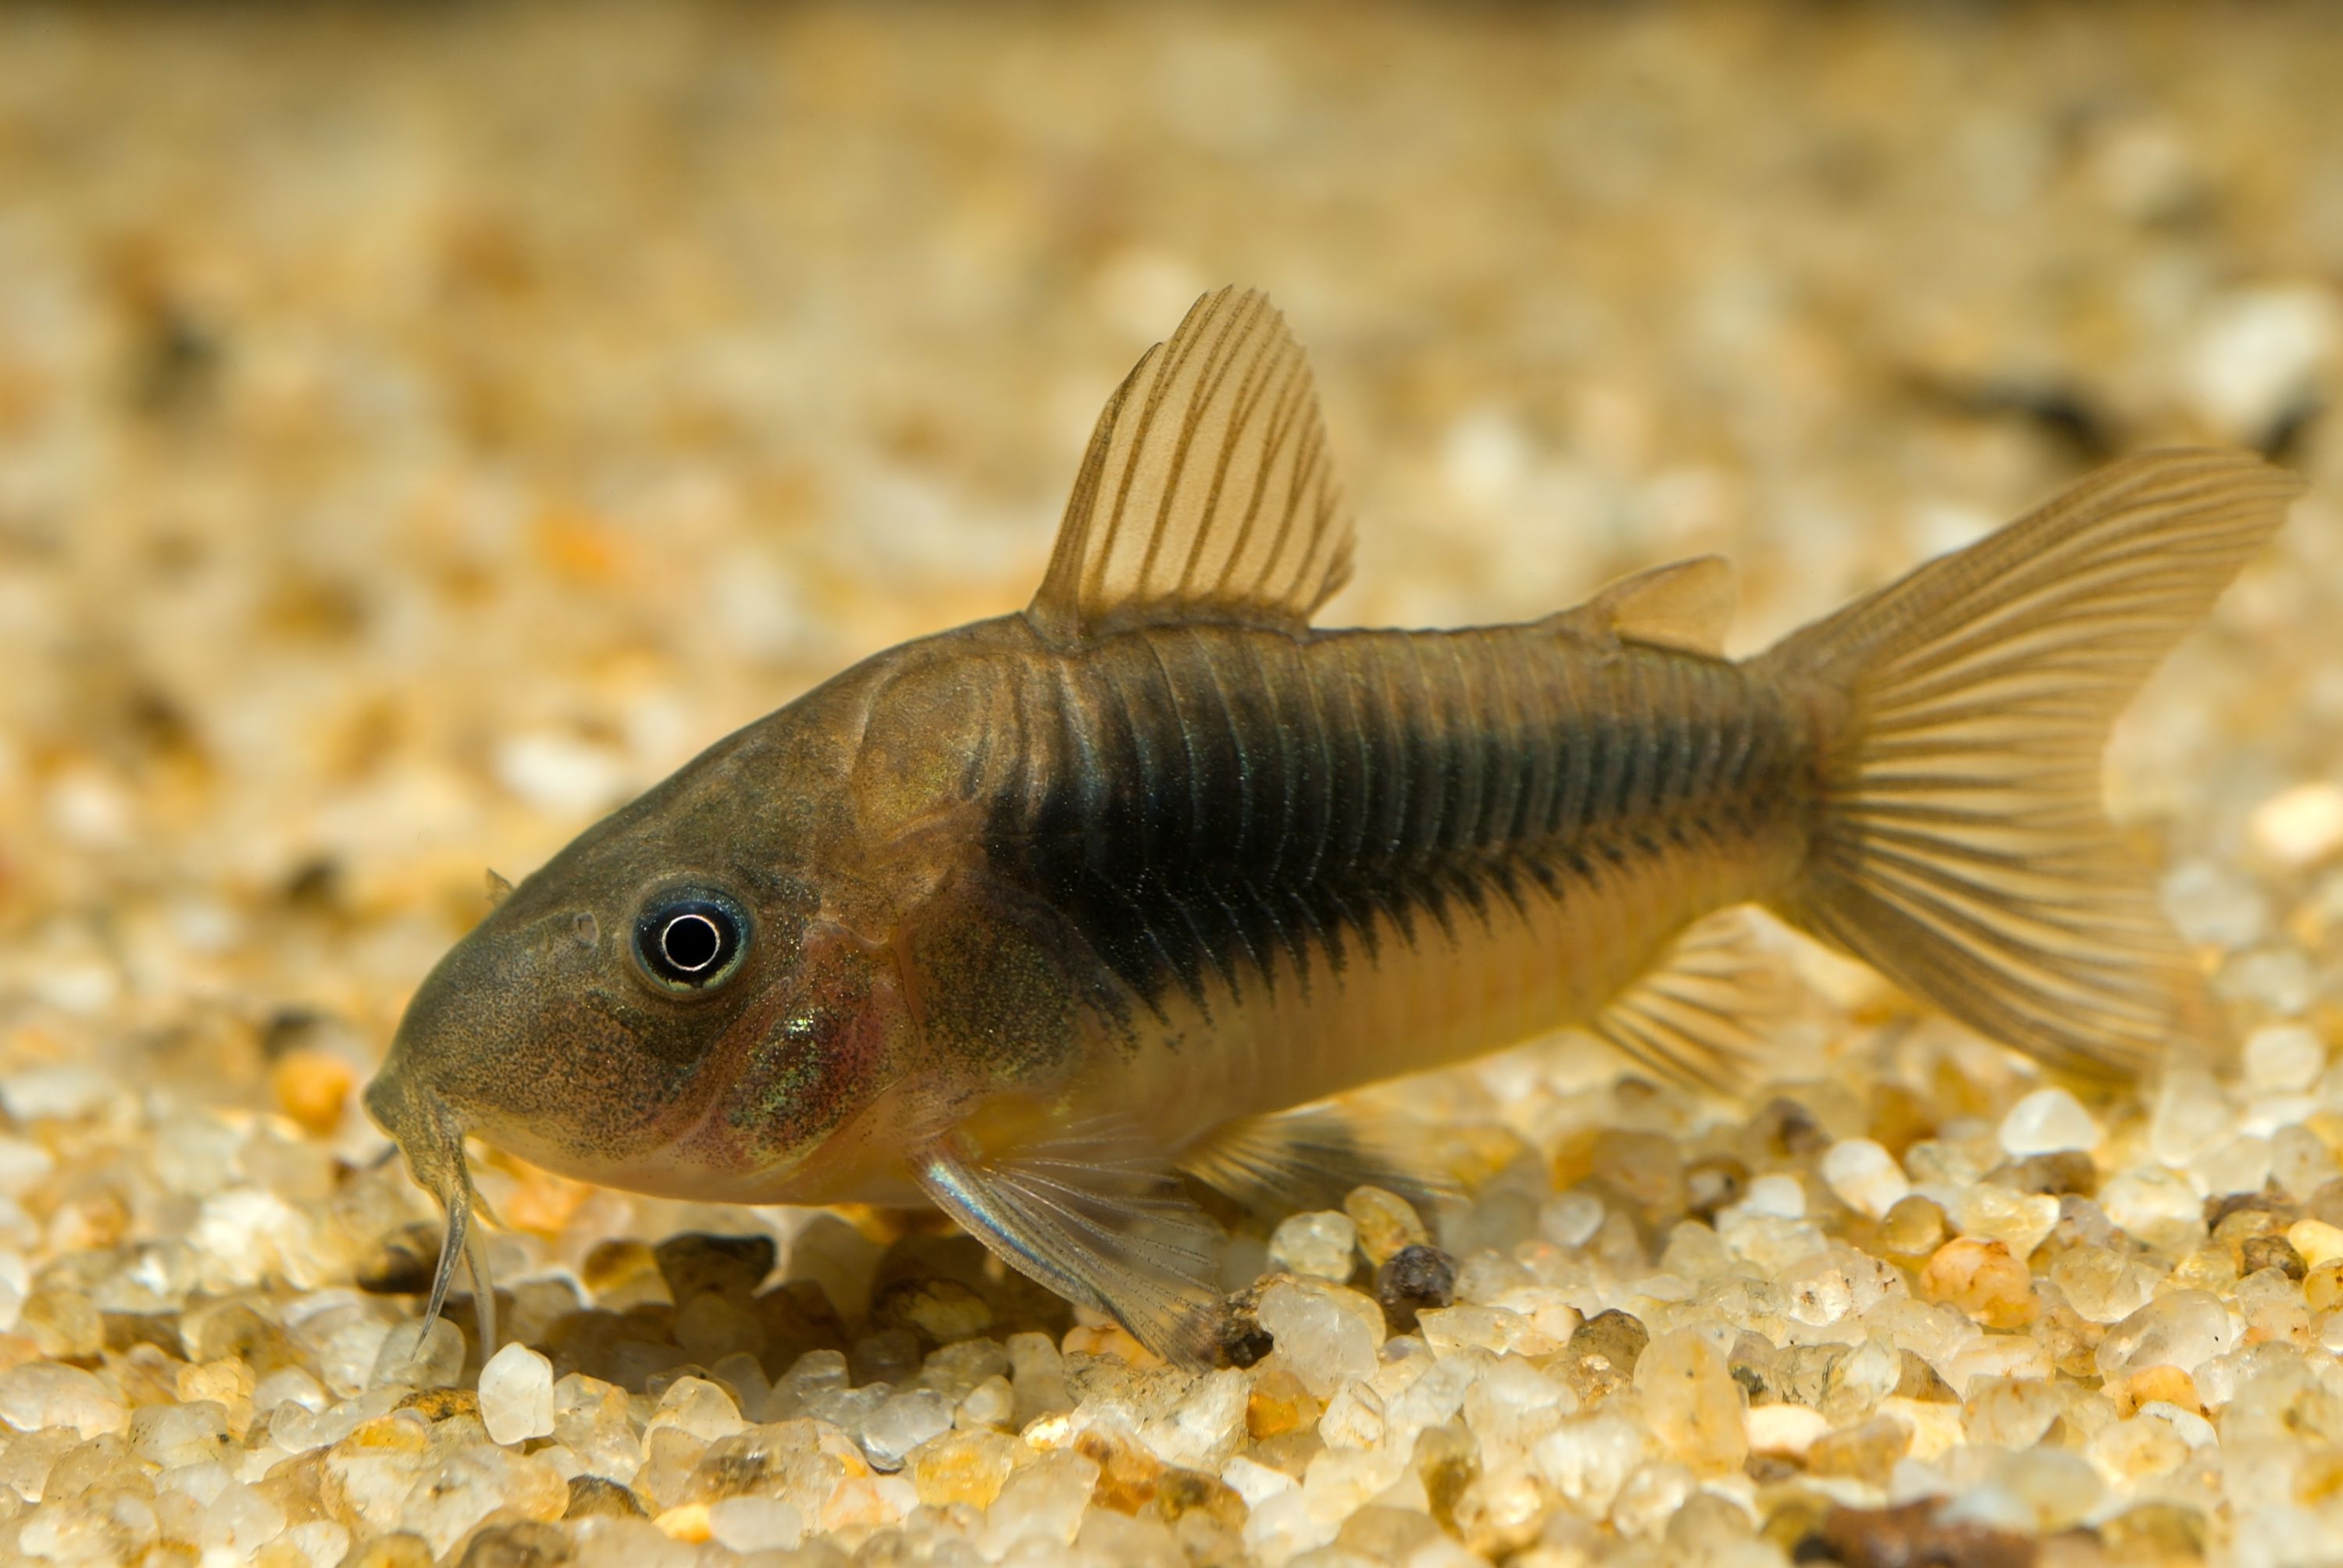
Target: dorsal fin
(1685, 604)
(1206, 493)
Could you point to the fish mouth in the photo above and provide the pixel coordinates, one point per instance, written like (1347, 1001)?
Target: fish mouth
(428, 1132)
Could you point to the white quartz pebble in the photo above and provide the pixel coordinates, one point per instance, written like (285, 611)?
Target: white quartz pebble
(1326, 1335)
(2047, 1121)
(516, 1395)
(1864, 1176)
(405, 1355)
(1776, 1195)
(2214, 904)
(746, 1525)
(2301, 825)
(41, 1395)
(1041, 1502)
(902, 1424)
(2185, 1329)
(1321, 1245)
(755, 1525)
(2284, 1058)
(1571, 1219)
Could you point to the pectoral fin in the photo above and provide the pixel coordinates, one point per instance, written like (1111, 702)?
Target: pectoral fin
(1311, 1158)
(1095, 1219)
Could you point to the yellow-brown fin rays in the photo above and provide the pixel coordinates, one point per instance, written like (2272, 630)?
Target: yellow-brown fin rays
(1700, 1016)
(1310, 1158)
(1207, 492)
(1096, 1217)
(1960, 847)
(1685, 604)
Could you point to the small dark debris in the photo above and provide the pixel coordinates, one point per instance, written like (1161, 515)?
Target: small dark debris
(592, 1497)
(289, 1028)
(1413, 1280)
(1911, 1537)
(2069, 1171)
(1714, 1182)
(177, 364)
(1244, 1341)
(2288, 434)
(438, 1404)
(2062, 412)
(2261, 1253)
(161, 723)
(1789, 1129)
(728, 1470)
(315, 885)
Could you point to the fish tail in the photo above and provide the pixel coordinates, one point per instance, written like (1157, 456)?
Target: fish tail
(1959, 845)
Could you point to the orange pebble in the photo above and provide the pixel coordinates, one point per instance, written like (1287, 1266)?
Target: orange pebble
(2166, 1384)
(312, 1086)
(540, 1202)
(1982, 1280)
(1279, 1404)
(687, 1523)
(1109, 1340)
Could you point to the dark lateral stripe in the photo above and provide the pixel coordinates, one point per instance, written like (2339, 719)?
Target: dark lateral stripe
(1200, 800)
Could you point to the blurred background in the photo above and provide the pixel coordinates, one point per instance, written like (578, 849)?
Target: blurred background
(421, 427)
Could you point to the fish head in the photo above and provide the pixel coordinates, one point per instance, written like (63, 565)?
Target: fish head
(677, 1003)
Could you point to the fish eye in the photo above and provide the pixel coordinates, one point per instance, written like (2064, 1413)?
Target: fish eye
(690, 941)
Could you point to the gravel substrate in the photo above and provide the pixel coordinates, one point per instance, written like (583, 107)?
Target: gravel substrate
(420, 428)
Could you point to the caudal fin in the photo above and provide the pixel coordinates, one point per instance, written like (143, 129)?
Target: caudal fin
(1962, 850)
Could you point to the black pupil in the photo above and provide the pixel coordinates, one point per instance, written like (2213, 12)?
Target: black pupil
(691, 942)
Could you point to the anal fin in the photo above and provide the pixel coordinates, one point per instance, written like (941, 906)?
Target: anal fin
(1701, 1015)
(1097, 1218)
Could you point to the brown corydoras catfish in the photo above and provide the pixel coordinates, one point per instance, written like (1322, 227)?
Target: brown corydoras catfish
(1027, 917)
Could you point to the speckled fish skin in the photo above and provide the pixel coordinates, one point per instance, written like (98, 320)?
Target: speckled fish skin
(1024, 918)
(1291, 865)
